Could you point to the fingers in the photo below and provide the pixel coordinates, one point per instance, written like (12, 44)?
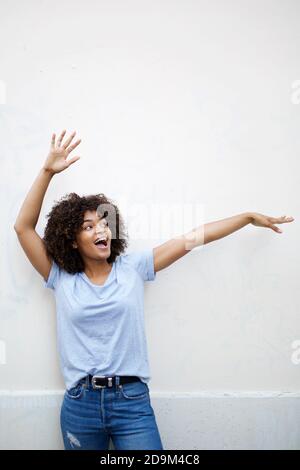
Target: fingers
(276, 229)
(271, 225)
(69, 149)
(61, 137)
(288, 218)
(69, 140)
(72, 160)
(53, 139)
(282, 220)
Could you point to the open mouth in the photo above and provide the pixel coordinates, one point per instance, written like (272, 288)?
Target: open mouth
(101, 243)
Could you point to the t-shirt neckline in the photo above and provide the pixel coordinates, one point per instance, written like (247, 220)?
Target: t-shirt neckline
(97, 285)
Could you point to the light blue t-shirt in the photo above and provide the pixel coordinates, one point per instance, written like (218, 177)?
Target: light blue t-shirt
(100, 329)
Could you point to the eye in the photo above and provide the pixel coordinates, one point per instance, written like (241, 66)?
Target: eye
(106, 225)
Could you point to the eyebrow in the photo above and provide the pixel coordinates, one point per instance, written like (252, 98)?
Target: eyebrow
(103, 216)
(91, 220)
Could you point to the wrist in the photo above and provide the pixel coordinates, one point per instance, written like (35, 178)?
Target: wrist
(250, 216)
(47, 171)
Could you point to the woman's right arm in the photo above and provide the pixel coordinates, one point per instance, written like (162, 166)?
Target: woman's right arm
(28, 216)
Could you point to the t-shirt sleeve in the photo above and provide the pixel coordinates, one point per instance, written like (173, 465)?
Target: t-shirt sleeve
(53, 276)
(143, 263)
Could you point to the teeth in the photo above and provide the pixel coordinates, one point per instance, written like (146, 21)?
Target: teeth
(99, 239)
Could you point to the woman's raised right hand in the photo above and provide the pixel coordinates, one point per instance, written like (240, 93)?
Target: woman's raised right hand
(57, 158)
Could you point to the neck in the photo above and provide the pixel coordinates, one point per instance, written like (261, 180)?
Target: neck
(96, 268)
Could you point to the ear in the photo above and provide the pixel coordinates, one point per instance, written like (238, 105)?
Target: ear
(74, 245)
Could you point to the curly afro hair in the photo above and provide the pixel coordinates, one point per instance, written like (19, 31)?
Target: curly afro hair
(65, 220)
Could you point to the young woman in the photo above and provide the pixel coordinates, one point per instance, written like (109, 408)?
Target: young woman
(99, 300)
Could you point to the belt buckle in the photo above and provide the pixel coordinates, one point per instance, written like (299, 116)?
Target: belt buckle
(101, 377)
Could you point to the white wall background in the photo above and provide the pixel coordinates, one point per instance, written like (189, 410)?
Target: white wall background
(179, 104)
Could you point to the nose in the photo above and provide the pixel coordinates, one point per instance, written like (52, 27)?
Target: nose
(100, 229)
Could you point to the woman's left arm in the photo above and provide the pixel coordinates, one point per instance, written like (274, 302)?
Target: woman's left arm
(172, 250)
(215, 230)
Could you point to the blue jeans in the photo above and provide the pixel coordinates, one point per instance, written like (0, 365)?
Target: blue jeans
(90, 417)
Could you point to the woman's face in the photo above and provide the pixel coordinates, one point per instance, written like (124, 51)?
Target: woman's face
(91, 230)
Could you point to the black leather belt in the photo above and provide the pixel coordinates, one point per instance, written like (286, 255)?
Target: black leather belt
(101, 381)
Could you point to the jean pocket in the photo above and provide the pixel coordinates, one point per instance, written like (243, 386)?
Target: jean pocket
(134, 390)
(76, 391)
